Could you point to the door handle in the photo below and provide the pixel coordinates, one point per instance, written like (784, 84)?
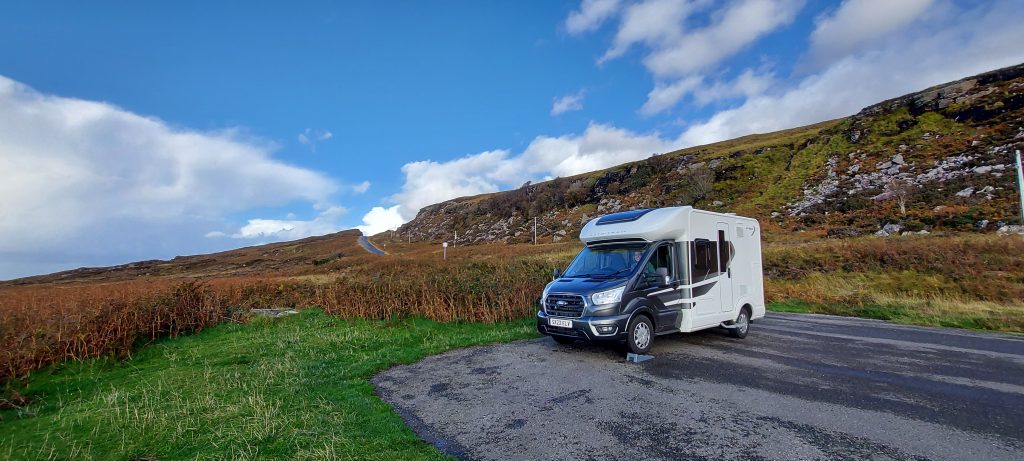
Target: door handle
(729, 271)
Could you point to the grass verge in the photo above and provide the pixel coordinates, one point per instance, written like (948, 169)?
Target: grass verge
(974, 315)
(296, 388)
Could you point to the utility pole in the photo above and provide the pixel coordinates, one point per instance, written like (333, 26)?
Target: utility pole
(444, 250)
(1020, 185)
(456, 241)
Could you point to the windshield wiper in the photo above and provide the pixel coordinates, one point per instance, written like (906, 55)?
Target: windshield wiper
(613, 274)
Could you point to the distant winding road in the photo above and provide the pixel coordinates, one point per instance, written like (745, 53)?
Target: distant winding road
(365, 243)
(799, 387)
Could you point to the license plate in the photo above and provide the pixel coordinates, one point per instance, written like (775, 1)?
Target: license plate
(560, 323)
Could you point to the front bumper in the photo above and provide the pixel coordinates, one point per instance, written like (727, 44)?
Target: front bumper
(586, 328)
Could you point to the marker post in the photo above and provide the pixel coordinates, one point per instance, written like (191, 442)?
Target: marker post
(1020, 185)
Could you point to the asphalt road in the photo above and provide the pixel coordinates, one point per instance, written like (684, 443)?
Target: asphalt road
(365, 243)
(798, 387)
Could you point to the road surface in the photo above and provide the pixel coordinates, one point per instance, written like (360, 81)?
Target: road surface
(365, 243)
(798, 387)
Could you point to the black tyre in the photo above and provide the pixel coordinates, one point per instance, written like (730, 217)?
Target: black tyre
(741, 325)
(641, 335)
(563, 339)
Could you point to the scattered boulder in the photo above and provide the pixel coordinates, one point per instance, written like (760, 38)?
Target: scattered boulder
(892, 228)
(923, 232)
(966, 192)
(717, 203)
(1015, 229)
(981, 225)
(898, 159)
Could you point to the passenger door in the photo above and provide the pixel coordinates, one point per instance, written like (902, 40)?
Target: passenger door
(703, 281)
(665, 299)
(725, 256)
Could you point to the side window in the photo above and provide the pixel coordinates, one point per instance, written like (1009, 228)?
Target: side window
(661, 258)
(704, 260)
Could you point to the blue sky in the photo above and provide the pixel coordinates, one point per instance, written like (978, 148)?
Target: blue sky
(141, 130)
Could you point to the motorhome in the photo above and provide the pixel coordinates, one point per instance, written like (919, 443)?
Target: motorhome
(650, 272)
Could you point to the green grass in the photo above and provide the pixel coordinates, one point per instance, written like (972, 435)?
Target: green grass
(290, 388)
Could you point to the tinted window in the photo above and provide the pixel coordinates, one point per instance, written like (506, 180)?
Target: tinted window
(704, 260)
(724, 253)
(661, 258)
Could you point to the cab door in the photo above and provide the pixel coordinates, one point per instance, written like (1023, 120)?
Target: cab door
(664, 298)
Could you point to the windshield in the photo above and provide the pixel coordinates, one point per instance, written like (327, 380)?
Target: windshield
(606, 261)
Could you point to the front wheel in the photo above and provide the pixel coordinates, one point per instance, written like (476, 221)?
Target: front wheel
(741, 325)
(641, 334)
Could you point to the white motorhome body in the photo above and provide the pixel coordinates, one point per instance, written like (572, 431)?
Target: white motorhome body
(657, 271)
(721, 276)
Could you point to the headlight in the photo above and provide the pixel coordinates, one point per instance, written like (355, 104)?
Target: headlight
(544, 296)
(608, 297)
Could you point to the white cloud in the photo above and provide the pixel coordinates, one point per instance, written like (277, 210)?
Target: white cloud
(963, 42)
(381, 219)
(290, 229)
(428, 182)
(678, 55)
(664, 96)
(85, 181)
(361, 188)
(599, 146)
(748, 84)
(311, 137)
(733, 28)
(654, 23)
(568, 103)
(857, 22)
(590, 15)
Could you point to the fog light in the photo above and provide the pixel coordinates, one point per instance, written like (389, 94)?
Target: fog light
(606, 329)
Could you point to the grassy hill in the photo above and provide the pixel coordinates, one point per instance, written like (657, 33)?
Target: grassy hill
(936, 160)
(304, 256)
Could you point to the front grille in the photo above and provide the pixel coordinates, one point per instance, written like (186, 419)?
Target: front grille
(564, 331)
(564, 305)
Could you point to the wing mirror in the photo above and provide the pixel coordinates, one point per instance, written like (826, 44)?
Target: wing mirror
(662, 273)
(556, 274)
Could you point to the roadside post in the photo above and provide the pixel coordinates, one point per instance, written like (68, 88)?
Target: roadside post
(444, 250)
(1020, 185)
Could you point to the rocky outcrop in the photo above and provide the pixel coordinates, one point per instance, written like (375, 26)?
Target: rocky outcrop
(939, 159)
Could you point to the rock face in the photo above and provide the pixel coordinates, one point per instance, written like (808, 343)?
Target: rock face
(937, 159)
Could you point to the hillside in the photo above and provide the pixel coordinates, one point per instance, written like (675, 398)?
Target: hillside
(284, 258)
(939, 159)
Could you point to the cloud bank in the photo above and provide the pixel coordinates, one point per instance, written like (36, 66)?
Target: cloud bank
(85, 182)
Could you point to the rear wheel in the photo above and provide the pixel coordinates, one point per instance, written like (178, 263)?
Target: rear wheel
(741, 325)
(563, 339)
(641, 334)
